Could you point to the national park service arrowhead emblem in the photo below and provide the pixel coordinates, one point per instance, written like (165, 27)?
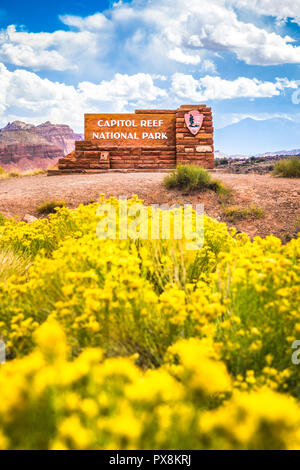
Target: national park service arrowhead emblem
(194, 121)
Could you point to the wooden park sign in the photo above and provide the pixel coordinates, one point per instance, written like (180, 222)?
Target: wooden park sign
(146, 140)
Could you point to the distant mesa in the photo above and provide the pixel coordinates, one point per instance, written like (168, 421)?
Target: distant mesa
(25, 146)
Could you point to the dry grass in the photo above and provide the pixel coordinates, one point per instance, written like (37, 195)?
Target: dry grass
(49, 207)
(288, 168)
(12, 264)
(18, 174)
(235, 213)
(193, 178)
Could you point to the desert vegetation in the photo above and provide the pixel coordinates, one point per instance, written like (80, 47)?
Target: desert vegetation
(18, 174)
(142, 344)
(193, 178)
(49, 207)
(235, 213)
(289, 168)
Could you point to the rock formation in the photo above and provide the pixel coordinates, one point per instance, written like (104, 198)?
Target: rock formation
(25, 146)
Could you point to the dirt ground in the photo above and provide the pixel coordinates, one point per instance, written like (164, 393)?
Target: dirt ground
(278, 197)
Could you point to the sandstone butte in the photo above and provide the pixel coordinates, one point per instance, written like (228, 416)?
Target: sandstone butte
(26, 147)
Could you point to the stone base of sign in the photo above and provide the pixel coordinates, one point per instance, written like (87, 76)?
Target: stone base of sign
(90, 155)
(55, 172)
(108, 155)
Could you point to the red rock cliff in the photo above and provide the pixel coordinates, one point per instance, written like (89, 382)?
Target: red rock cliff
(25, 146)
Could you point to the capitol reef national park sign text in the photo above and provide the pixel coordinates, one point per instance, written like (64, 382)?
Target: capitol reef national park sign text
(145, 140)
(140, 129)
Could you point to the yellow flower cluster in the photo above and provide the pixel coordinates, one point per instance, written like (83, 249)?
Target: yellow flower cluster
(140, 344)
(50, 402)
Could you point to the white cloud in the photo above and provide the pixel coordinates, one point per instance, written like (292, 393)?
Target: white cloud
(90, 23)
(180, 56)
(154, 36)
(196, 28)
(24, 95)
(60, 50)
(208, 66)
(123, 90)
(215, 27)
(25, 56)
(277, 8)
(215, 88)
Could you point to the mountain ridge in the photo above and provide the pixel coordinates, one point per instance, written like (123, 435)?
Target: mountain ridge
(25, 146)
(254, 137)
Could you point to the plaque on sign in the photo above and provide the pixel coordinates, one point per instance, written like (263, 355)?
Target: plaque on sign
(194, 121)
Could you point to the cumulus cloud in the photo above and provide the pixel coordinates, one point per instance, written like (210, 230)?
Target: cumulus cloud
(24, 95)
(97, 22)
(156, 36)
(210, 26)
(277, 8)
(60, 50)
(208, 66)
(216, 88)
(180, 56)
(214, 26)
(137, 88)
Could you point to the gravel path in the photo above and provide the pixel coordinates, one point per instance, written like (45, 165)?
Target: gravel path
(278, 197)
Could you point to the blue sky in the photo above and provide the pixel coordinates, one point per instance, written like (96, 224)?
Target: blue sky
(59, 60)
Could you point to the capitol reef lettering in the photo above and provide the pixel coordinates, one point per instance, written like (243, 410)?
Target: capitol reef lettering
(122, 123)
(131, 130)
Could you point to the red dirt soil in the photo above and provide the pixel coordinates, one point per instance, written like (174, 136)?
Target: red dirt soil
(278, 197)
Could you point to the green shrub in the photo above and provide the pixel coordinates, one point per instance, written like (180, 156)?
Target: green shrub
(288, 168)
(49, 207)
(221, 161)
(191, 178)
(234, 213)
